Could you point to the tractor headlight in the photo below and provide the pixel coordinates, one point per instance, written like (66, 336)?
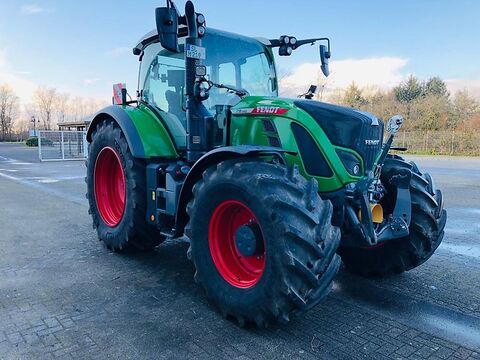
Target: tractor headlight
(201, 30)
(286, 39)
(293, 40)
(200, 18)
(351, 162)
(356, 169)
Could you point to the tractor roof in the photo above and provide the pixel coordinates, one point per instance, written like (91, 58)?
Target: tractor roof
(152, 37)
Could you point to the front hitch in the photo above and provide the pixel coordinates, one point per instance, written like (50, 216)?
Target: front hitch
(364, 232)
(398, 223)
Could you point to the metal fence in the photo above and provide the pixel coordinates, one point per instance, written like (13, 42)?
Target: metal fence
(62, 145)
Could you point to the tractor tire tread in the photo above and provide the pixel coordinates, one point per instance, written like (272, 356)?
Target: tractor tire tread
(136, 234)
(426, 230)
(297, 212)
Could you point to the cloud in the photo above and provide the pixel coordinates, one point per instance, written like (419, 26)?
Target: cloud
(91, 81)
(23, 87)
(472, 86)
(31, 9)
(119, 51)
(382, 72)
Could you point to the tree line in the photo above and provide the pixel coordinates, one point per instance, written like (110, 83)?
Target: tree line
(48, 107)
(426, 105)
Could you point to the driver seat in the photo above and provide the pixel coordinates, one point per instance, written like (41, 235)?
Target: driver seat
(173, 123)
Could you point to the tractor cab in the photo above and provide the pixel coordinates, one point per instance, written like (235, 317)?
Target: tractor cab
(233, 60)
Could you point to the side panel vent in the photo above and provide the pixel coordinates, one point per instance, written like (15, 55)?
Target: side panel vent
(313, 160)
(271, 132)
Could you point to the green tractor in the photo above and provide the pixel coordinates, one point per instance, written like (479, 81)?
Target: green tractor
(271, 193)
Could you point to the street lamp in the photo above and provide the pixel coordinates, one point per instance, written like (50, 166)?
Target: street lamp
(34, 126)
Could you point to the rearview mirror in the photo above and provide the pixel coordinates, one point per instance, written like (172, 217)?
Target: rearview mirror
(167, 27)
(394, 124)
(324, 56)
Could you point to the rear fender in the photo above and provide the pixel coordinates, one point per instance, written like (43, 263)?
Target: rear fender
(123, 120)
(146, 135)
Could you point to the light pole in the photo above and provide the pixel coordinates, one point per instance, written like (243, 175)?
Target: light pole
(34, 126)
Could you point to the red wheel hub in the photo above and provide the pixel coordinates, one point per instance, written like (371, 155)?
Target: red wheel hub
(238, 270)
(109, 186)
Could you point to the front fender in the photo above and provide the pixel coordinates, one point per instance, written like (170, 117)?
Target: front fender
(209, 159)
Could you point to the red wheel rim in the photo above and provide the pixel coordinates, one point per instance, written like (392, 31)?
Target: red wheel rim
(109, 186)
(238, 270)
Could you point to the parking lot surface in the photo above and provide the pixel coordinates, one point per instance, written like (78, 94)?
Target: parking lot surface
(63, 295)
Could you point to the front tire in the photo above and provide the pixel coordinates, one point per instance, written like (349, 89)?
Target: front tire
(284, 264)
(426, 227)
(116, 192)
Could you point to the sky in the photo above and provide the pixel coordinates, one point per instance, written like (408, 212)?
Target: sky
(83, 47)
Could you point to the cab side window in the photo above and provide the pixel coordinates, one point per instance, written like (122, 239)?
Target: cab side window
(164, 85)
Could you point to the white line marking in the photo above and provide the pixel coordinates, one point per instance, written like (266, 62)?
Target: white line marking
(47, 189)
(48, 181)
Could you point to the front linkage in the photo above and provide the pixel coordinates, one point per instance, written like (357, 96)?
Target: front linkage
(365, 227)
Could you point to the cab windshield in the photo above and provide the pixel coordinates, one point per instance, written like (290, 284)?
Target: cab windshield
(231, 59)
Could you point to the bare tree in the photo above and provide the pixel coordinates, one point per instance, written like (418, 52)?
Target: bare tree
(8, 110)
(81, 108)
(62, 107)
(78, 108)
(45, 101)
(23, 124)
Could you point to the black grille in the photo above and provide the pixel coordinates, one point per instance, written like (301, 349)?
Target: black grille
(370, 152)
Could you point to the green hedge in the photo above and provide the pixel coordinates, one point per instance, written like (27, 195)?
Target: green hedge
(32, 141)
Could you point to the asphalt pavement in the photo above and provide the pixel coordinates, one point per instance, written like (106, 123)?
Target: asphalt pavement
(63, 295)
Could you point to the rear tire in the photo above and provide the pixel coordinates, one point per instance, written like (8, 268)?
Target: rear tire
(293, 269)
(118, 208)
(426, 227)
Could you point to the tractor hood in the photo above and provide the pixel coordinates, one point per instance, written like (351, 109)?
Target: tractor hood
(349, 128)
(345, 127)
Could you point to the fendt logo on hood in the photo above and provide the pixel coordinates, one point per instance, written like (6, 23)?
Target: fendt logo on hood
(371, 142)
(261, 110)
(269, 110)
